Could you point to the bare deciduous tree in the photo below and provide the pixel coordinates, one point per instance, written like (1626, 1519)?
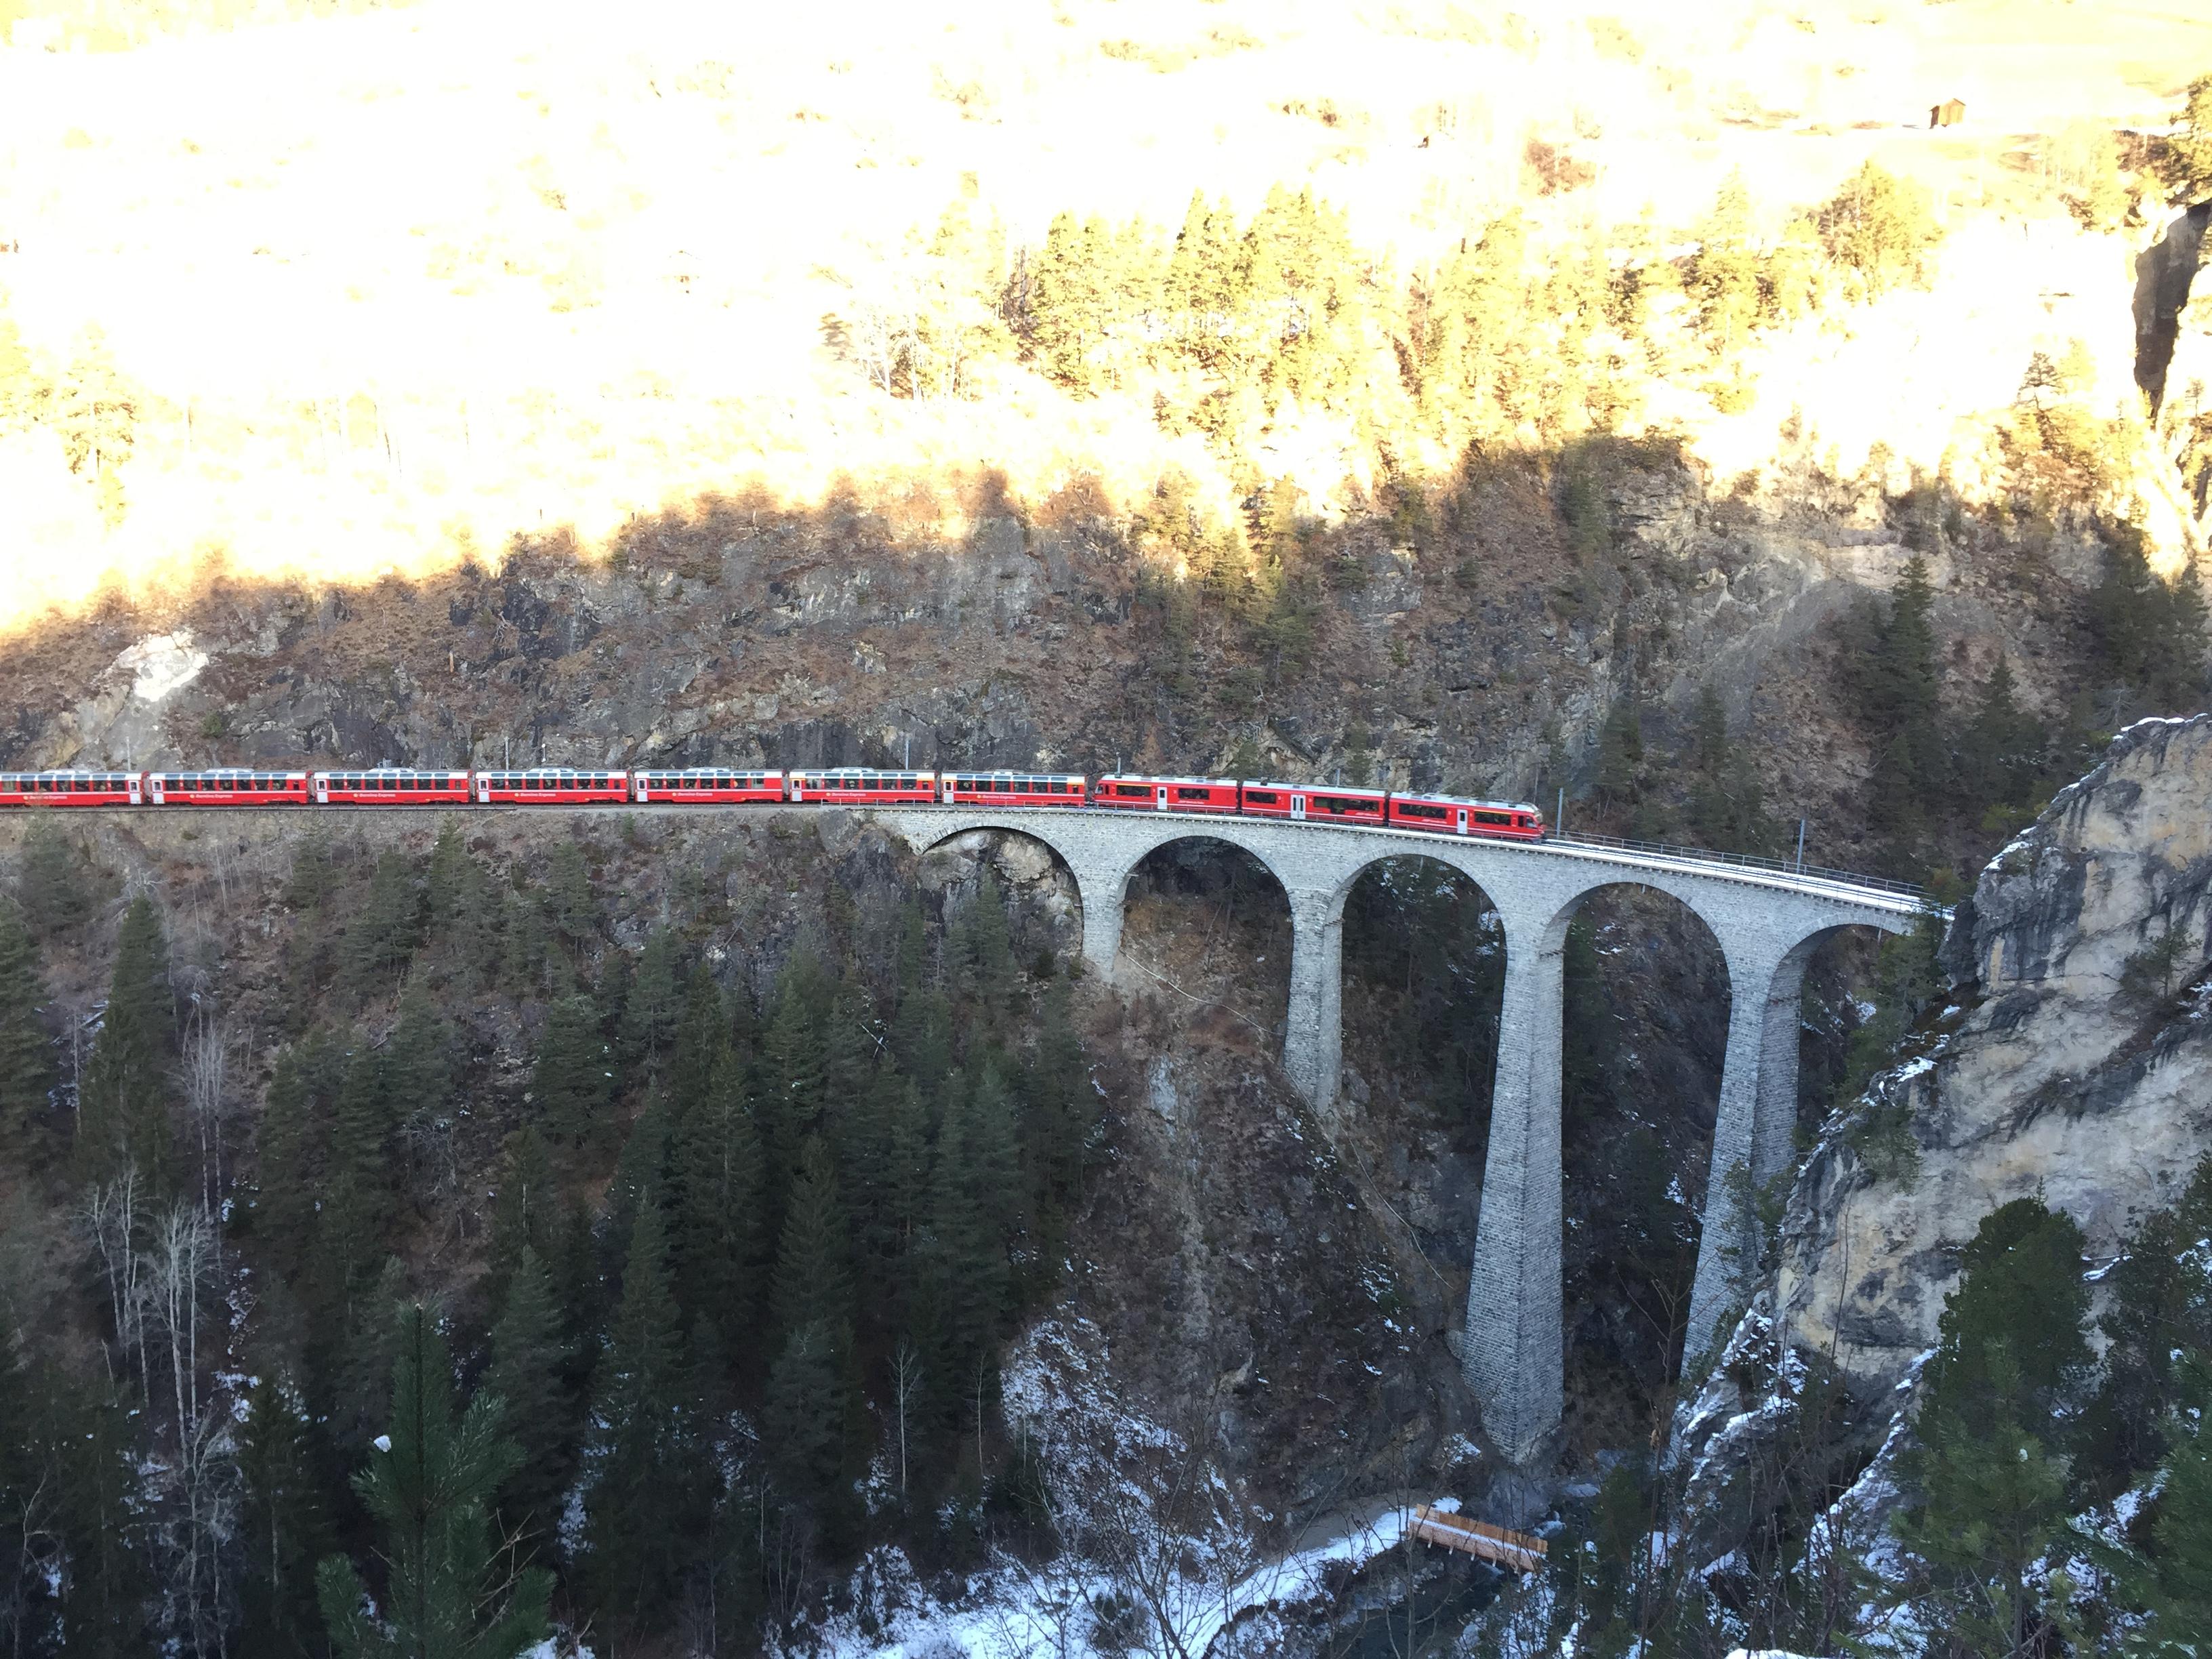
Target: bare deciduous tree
(113, 1214)
(207, 1096)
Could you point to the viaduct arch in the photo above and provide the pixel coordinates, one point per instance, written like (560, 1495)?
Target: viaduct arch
(1768, 923)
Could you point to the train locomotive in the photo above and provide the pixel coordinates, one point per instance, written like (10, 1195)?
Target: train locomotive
(850, 785)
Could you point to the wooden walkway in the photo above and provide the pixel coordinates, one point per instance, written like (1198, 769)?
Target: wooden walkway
(1517, 1550)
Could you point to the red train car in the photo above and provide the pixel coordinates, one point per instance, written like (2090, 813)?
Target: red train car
(389, 785)
(227, 785)
(1451, 815)
(1322, 803)
(718, 784)
(551, 786)
(1165, 794)
(72, 789)
(861, 785)
(1013, 788)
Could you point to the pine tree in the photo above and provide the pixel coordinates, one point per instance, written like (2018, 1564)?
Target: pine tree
(2158, 1311)
(284, 1527)
(716, 1208)
(445, 883)
(123, 1099)
(101, 1520)
(386, 928)
(26, 1064)
(1993, 1490)
(813, 1283)
(961, 1270)
(294, 1128)
(2171, 1582)
(358, 1202)
(700, 1039)
(1620, 753)
(803, 1421)
(530, 1363)
(642, 1172)
(570, 905)
(51, 889)
(429, 1487)
(2003, 743)
(1067, 303)
(985, 953)
(419, 1058)
(906, 1199)
(795, 1070)
(573, 1080)
(30, 1466)
(475, 915)
(639, 1510)
(653, 1008)
(1724, 274)
(527, 1214)
(991, 1158)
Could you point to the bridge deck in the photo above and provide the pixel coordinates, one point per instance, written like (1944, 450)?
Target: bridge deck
(1517, 1550)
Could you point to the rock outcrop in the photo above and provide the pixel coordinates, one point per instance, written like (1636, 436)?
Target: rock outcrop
(2058, 1070)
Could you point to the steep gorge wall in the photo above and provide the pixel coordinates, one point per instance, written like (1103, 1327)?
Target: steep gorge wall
(2050, 1075)
(740, 635)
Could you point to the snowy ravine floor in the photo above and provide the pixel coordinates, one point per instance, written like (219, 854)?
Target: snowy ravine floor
(1149, 1526)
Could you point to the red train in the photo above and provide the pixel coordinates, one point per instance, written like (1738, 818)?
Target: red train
(553, 786)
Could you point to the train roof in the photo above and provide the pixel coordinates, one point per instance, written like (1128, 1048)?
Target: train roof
(1316, 788)
(1157, 777)
(1470, 800)
(1007, 772)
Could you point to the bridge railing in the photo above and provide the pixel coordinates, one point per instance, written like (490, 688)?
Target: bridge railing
(1749, 861)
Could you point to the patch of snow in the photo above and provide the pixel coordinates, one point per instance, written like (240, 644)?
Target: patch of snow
(160, 665)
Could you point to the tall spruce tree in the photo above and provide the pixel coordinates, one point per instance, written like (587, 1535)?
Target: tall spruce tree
(52, 888)
(2014, 1351)
(2171, 1582)
(419, 1058)
(451, 1591)
(26, 1061)
(813, 1268)
(700, 1040)
(123, 1115)
(716, 1217)
(291, 1138)
(284, 1527)
(570, 905)
(358, 1201)
(529, 1374)
(382, 934)
(641, 1510)
(655, 1004)
(574, 1079)
(526, 1213)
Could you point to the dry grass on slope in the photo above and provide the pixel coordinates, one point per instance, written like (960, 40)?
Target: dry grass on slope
(394, 284)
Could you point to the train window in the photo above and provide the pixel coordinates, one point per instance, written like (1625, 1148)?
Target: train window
(1136, 789)
(1191, 794)
(1261, 797)
(1493, 818)
(1418, 810)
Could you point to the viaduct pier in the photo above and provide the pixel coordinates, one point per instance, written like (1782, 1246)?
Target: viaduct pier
(1768, 919)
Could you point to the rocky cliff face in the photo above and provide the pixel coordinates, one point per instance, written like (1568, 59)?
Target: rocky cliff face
(2072, 1063)
(1454, 655)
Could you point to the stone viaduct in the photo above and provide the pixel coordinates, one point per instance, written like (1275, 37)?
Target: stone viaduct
(1768, 923)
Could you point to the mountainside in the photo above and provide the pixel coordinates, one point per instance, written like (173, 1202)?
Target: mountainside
(2070, 1069)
